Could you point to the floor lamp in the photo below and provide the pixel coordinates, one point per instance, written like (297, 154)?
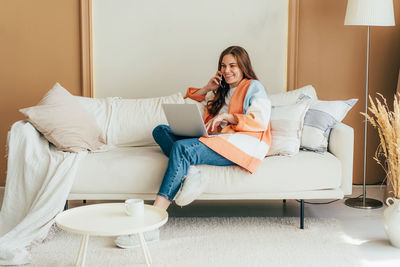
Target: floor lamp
(368, 13)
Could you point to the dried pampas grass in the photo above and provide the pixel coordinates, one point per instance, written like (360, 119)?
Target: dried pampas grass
(388, 125)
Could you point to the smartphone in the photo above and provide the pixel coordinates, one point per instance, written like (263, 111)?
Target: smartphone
(223, 83)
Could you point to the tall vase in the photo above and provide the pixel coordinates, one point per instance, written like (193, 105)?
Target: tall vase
(391, 221)
(388, 191)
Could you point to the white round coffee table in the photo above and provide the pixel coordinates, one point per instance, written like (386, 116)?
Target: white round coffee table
(109, 219)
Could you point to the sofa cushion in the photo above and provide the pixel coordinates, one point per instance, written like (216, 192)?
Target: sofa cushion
(133, 120)
(141, 169)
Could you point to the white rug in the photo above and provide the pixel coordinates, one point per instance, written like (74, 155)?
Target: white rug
(227, 241)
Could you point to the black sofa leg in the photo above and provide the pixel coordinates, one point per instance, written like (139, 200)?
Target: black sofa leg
(66, 205)
(84, 201)
(302, 214)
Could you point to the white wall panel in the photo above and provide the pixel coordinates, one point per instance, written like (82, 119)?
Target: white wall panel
(157, 47)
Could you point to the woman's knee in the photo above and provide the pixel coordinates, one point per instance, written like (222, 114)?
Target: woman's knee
(159, 130)
(184, 147)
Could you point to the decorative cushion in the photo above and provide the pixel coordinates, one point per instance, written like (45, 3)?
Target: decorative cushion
(100, 110)
(291, 97)
(286, 126)
(320, 119)
(65, 122)
(133, 120)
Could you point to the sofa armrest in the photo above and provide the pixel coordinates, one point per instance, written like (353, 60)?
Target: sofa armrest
(341, 144)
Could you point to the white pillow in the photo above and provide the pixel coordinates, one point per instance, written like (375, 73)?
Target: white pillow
(291, 97)
(286, 127)
(320, 119)
(133, 120)
(100, 109)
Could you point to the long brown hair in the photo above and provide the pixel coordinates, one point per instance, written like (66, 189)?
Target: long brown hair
(243, 61)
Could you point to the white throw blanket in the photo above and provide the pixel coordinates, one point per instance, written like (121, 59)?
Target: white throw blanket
(39, 179)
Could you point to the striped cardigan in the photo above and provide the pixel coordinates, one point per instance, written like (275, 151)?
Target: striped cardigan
(247, 142)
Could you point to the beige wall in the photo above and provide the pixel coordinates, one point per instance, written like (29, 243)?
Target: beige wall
(332, 57)
(40, 45)
(162, 49)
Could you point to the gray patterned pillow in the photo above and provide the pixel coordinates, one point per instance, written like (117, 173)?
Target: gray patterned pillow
(321, 117)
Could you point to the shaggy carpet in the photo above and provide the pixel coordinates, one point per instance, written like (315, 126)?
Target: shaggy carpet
(215, 241)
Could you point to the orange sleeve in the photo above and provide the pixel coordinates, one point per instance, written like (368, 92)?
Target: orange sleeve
(190, 93)
(247, 123)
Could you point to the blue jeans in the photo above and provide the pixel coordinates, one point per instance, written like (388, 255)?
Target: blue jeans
(182, 153)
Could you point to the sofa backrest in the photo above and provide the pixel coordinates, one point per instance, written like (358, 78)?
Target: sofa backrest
(133, 120)
(100, 110)
(130, 122)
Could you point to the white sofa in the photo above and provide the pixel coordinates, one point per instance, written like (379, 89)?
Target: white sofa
(134, 166)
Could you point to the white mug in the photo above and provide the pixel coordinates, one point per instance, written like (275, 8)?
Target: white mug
(134, 207)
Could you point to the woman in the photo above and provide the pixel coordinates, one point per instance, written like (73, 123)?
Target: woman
(237, 106)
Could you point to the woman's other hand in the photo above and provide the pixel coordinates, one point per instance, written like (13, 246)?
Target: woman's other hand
(213, 126)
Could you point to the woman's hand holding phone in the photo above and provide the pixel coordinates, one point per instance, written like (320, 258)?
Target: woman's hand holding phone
(214, 82)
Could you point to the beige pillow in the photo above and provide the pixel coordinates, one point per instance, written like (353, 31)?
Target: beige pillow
(133, 120)
(64, 122)
(286, 126)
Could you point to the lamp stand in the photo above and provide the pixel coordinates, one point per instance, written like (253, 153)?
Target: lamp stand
(365, 203)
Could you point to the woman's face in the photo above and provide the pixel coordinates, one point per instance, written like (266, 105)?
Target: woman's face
(231, 71)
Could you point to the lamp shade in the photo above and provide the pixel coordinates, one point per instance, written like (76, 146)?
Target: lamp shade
(369, 13)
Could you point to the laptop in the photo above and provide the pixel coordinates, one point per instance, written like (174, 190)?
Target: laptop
(185, 120)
